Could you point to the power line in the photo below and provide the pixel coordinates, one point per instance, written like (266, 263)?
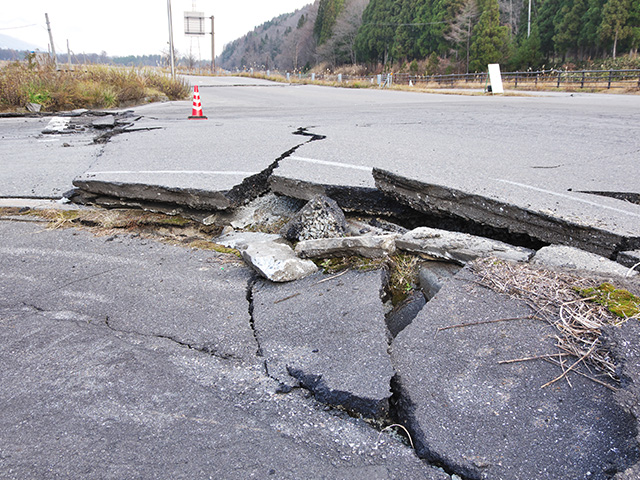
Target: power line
(404, 24)
(24, 26)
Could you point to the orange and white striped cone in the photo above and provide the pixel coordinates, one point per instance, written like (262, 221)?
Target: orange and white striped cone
(197, 106)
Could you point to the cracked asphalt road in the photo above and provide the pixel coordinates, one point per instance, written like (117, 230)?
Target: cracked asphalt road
(124, 358)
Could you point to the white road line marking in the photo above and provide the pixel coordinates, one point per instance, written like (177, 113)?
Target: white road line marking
(569, 197)
(331, 164)
(172, 172)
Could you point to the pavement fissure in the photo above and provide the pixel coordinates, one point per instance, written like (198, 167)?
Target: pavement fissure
(451, 381)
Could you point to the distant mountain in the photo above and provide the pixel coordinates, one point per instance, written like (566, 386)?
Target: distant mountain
(10, 43)
(285, 42)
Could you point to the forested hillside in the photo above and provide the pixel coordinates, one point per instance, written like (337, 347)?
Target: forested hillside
(441, 35)
(284, 43)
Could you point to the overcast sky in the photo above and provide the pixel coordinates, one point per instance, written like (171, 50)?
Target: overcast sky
(134, 27)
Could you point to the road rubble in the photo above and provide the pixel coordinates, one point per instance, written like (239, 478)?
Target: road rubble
(332, 335)
(395, 353)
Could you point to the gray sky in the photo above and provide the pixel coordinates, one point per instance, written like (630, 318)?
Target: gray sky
(134, 27)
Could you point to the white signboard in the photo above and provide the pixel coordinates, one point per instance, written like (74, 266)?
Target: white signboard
(495, 78)
(194, 23)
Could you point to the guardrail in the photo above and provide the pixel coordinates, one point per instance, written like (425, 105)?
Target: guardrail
(593, 79)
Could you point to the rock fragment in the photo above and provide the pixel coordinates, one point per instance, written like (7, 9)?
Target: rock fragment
(277, 262)
(458, 247)
(560, 256)
(107, 121)
(369, 246)
(321, 217)
(329, 335)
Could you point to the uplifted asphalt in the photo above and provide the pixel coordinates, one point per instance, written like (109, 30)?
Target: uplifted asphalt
(568, 157)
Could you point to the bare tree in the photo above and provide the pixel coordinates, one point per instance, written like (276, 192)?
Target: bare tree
(340, 48)
(461, 28)
(300, 44)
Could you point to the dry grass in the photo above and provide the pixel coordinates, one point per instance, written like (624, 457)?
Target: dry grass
(403, 271)
(565, 301)
(91, 87)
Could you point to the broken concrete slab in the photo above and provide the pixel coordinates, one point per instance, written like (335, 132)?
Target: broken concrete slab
(277, 262)
(559, 256)
(485, 420)
(321, 217)
(356, 228)
(433, 275)
(82, 197)
(177, 189)
(630, 258)
(458, 247)
(604, 231)
(141, 166)
(107, 121)
(369, 246)
(328, 334)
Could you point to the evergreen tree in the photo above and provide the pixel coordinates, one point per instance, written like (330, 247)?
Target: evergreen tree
(568, 26)
(405, 38)
(489, 38)
(634, 26)
(377, 33)
(589, 39)
(528, 54)
(614, 18)
(328, 11)
(546, 26)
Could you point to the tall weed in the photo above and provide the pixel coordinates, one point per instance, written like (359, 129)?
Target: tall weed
(91, 87)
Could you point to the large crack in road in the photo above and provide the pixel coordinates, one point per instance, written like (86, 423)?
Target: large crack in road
(288, 338)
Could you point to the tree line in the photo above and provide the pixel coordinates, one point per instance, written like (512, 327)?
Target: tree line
(433, 35)
(477, 32)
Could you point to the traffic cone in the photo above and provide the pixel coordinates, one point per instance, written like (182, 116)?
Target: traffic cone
(197, 106)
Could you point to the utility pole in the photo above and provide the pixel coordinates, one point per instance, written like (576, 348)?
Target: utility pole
(213, 46)
(53, 48)
(68, 55)
(171, 55)
(468, 41)
(529, 21)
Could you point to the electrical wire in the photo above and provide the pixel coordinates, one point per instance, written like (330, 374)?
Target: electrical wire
(23, 26)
